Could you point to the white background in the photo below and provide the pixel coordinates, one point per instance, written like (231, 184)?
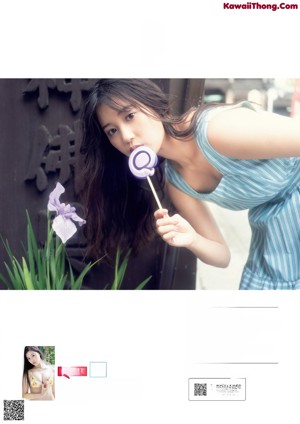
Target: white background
(152, 341)
(155, 39)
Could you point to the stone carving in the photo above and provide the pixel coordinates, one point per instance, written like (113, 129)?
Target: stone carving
(75, 87)
(54, 153)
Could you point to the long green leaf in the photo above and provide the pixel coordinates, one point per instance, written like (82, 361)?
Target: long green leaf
(71, 276)
(53, 273)
(8, 249)
(15, 281)
(31, 236)
(27, 276)
(143, 283)
(79, 281)
(60, 285)
(32, 250)
(59, 256)
(40, 273)
(18, 272)
(115, 282)
(120, 270)
(13, 273)
(48, 252)
(44, 263)
(5, 281)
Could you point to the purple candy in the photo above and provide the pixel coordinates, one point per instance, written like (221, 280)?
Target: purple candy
(142, 162)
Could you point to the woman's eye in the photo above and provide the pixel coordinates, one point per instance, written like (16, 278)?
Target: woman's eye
(111, 132)
(130, 116)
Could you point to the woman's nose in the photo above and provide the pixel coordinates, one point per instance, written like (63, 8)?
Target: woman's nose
(127, 136)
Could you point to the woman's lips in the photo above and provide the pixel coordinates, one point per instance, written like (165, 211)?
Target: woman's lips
(132, 148)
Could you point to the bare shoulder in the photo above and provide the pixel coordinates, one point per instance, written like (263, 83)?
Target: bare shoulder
(243, 133)
(230, 123)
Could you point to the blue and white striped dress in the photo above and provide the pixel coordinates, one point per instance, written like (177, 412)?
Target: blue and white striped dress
(270, 189)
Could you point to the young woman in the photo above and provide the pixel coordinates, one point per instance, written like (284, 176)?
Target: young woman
(233, 155)
(38, 377)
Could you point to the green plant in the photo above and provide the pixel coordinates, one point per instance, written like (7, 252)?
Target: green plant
(120, 270)
(49, 353)
(49, 268)
(42, 268)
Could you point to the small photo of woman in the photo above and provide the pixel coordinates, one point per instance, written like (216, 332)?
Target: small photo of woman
(39, 373)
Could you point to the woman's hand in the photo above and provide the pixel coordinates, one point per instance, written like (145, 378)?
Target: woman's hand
(45, 388)
(178, 232)
(46, 393)
(174, 230)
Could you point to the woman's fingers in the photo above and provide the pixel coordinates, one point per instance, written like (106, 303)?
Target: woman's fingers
(169, 237)
(160, 213)
(163, 229)
(174, 230)
(167, 220)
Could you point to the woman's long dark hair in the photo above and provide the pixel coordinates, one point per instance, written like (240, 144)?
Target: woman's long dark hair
(27, 364)
(119, 206)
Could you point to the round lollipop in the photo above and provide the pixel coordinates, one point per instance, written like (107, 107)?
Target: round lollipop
(141, 163)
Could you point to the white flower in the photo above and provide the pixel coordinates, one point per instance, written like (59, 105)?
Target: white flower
(63, 224)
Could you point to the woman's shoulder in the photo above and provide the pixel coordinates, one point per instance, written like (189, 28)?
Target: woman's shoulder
(208, 111)
(44, 368)
(49, 367)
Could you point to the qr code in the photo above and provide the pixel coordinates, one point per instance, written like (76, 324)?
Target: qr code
(200, 389)
(13, 410)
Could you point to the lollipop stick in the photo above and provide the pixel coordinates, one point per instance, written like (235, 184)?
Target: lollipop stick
(154, 192)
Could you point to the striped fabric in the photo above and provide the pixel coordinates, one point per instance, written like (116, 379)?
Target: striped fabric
(270, 189)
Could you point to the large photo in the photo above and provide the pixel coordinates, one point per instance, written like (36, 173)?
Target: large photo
(136, 184)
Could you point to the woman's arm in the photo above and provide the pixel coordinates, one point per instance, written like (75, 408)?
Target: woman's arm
(33, 396)
(25, 386)
(53, 385)
(246, 134)
(25, 391)
(193, 228)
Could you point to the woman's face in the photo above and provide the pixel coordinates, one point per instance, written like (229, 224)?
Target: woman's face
(33, 357)
(130, 127)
